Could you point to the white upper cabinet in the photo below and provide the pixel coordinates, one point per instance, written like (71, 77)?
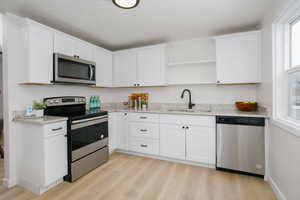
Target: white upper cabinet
(71, 46)
(139, 67)
(239, 58)
(151, 66)
(64, 44)
(103, 59)
(84, 50)
(40, 53)
(125, 68)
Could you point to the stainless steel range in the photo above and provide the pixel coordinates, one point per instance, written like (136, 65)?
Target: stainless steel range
(87, 134)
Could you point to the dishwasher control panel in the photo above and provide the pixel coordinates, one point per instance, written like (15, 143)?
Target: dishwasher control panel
(249, 121)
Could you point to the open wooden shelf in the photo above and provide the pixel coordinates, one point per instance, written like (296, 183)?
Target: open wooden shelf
(32, 84)
(192, 83)
(191, 62)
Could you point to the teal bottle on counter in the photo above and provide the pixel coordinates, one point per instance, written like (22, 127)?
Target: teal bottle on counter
(92, 102)
(95, 103)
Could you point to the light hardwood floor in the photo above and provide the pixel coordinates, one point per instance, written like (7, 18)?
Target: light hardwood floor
(1, 170)
(127, 177)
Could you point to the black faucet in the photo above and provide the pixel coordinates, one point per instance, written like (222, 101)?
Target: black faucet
(190, 97)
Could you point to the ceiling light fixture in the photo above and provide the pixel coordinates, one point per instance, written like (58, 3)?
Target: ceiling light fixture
(126, 4)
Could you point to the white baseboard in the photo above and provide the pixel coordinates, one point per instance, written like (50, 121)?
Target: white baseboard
(37, 189)
(9, 183)
(275, 188)
(167, 159)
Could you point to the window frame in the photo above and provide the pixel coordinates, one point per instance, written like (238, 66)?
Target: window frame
(293, 22)
(282, 67)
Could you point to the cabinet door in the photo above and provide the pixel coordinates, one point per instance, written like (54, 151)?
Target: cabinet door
(172, 141)
(200, 144)
(56, 165)
(125, 67)
(151, 66)
(40, 51)
(121, 130)
(238, 58)
(103, 59)
(112, 139)
(84, 50)
(64, 44)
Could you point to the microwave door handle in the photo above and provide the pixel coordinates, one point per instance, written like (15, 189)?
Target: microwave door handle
(91, 72)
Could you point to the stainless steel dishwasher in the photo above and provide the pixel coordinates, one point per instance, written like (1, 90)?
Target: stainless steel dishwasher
(241, 145)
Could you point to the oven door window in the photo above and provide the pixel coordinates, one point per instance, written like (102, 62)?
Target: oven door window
(87, 135)
(74, 70)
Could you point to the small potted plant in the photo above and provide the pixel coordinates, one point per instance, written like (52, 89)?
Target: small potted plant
(38, 108)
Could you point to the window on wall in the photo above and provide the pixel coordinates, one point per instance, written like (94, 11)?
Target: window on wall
(293, 74)
(1, 32)
(286, 69)
(295, 43)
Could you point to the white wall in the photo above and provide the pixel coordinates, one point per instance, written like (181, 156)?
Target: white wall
(284, 147)
(210, 94)
(27, 94)
(1, 32)
(1, 88)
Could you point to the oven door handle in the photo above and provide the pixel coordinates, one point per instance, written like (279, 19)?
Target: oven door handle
(89, 119)
(88, 122)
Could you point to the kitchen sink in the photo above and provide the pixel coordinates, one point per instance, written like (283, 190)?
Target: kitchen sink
(188, 110)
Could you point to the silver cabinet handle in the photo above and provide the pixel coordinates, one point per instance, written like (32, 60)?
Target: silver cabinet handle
(144, 145)
(57, 129)
(143, 117)
(143, 130)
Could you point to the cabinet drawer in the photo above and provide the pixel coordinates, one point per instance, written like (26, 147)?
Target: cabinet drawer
(144, 117)
(144, 130)
(206, 121)
(147, 146)
(55, 129)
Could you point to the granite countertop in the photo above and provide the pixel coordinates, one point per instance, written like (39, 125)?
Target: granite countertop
(203, 110)
(41, 121)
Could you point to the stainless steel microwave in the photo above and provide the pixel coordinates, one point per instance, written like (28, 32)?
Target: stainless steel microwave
(69, 69)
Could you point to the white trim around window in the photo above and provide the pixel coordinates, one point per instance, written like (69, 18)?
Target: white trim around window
(281, 35)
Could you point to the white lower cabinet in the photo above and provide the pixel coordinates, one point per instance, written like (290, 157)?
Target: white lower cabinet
(56, 155)
(200, 144)
(42, 155)
(121, 130)
(144, 133)
(144, 130)
(147, 146)
(181, 137)
(172, 141)
(189, 138)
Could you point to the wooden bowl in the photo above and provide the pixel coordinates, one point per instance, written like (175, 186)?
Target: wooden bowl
(246, 106)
